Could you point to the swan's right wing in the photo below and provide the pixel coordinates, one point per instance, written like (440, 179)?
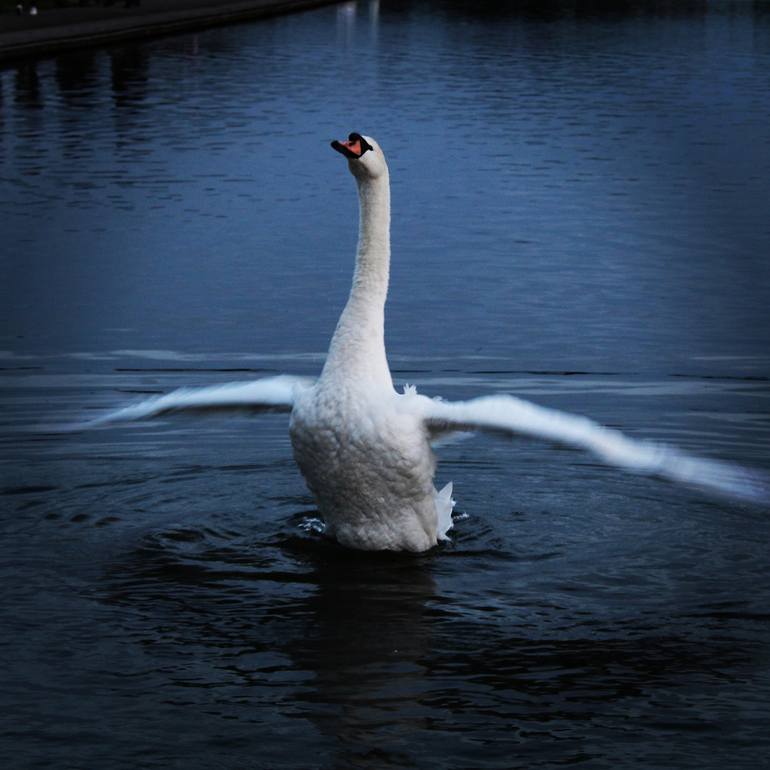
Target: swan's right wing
(514, 416)
(272, 394)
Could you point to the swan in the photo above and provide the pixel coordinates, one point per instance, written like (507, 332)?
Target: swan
(365, 450)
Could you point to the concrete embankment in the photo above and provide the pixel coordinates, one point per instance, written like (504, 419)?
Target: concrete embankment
(60, 29)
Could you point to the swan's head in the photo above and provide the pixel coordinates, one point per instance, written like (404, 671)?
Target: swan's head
(365, 158)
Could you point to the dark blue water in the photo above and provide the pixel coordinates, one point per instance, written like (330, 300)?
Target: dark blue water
(581, 218)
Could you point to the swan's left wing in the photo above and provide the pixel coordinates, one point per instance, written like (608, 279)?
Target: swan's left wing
(514, 416)
(272, 394)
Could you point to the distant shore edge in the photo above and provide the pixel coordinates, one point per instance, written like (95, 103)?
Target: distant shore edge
(50, 39)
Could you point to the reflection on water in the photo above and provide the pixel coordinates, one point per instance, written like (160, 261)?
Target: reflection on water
(27, 85)
(580, 218)
(129, 71)
(379, 657)
(76, 75)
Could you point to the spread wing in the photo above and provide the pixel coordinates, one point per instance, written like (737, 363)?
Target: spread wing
(514, 416)
(272, 394)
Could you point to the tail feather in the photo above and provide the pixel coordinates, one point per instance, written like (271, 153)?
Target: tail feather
(444, 506)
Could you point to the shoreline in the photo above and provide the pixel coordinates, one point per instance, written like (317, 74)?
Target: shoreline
(55, 30)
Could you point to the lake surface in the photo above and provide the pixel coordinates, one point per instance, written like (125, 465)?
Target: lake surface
(581, 218)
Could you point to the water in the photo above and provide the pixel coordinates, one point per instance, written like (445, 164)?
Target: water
(580, 218)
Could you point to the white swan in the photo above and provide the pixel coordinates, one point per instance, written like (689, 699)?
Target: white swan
(365, 450)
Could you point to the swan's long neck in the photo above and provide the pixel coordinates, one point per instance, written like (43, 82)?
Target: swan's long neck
(357, 350)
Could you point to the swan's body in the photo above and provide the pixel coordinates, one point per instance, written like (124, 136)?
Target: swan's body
(365, 449)
(369, 463)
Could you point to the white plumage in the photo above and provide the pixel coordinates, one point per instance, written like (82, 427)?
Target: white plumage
(365, 450)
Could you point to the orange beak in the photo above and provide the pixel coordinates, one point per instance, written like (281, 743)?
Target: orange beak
(353, 148)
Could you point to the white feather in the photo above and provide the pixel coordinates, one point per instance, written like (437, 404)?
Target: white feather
(515, 416)
(275, 394)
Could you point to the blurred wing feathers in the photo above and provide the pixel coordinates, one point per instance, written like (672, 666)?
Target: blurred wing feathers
(272, 394)
(514, 416)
